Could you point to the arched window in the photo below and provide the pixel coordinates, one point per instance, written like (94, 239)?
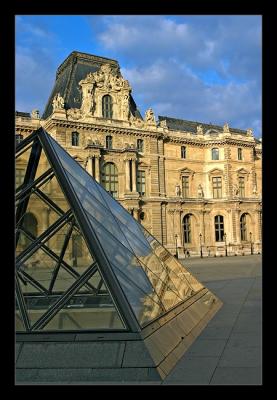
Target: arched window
(243, 230)
(30, 225)
(109, 142)
(109, 178)
(187, 228)
(75, 139)
(219, 228)
(215, 153)
(107, 106)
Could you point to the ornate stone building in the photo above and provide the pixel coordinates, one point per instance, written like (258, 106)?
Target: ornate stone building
(195, 186)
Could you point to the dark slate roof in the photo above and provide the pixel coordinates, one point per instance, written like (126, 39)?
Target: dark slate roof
(75, 68)
(191, 126)
(22, 114)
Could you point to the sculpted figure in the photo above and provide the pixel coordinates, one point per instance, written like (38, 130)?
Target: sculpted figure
(178, 190)
(226, 128)
(125, 106)
(199, 130)
(58, 102)
(200, 191)
(149, 116)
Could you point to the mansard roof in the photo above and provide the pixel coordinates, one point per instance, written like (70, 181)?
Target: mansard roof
(75, 68)
(191, 126)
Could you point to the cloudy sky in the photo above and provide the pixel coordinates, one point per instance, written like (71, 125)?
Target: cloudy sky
(199, 68)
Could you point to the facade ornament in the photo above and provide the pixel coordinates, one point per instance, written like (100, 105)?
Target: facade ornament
(149, 117)
(226, 128)
(74, 113)
(125, 108)
(255, 192)
(177, 190)
(199, 130)
(58, 102)
(249, 132)
(139, 123)
(35, 114)
(163, 123)
(200, 191)
(235, 190)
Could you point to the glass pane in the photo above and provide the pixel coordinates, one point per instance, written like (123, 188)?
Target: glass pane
(85, 310)
(144, 307)
(96, 209)
(21, 166)
(43, 164)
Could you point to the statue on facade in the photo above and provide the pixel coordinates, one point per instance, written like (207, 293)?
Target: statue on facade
(149, 116)
(199, 129)
(58, 102)
(255, 192)
(200, 191)
(177, 190)
(249, 132)
(163, 123)
(226, 128)
(125, 106)
(35, 114)
(236, 190)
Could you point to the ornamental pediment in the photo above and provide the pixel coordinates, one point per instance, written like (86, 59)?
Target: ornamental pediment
(186, 170)
(215, 171)
(242, 171)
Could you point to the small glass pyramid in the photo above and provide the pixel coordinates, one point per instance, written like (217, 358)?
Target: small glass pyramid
(83, 262)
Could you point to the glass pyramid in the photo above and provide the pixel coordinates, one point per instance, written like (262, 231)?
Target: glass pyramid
(83, 262)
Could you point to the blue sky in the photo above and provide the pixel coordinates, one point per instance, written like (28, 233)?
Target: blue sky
(200, 68)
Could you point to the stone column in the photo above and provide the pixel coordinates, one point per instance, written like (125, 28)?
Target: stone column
(127, 169)
(134, 176)
(97, 169)
(136, 214)
(89, 166)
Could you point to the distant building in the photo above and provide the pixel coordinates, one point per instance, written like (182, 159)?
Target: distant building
(195, 186)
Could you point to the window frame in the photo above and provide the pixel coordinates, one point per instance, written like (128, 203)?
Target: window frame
(219, 228)
(243, 228)
(216, 188)
(140, 182)
(241, 185)
(239, 154)
(109, 142)
(187, 228)
(140, 145)
(215, 158)
(107, 106)
(185, 186)
(110, 181)
(75, 138)
(183, 152)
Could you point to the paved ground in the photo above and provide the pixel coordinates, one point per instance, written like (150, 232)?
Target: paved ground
(228, 351)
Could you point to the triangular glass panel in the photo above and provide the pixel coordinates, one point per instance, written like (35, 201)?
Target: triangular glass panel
(86, 310)
(80, 225)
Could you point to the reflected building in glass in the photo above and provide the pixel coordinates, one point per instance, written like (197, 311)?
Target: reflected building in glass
(87, 268)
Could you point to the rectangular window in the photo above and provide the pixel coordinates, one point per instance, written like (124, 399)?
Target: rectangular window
(241, 187)
(183, 151)
(185, 186)
(239, 154)
(109, 142)
(93, 166)
(215, 154)
(217, 187)
(140, 145)
(141, 182)
(19, 177)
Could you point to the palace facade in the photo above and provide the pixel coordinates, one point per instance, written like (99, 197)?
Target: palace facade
(195, 186)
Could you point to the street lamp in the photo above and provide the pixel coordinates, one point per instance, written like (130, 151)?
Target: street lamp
(251, 244)
(200, 240)
(226, 254)
(176, 236)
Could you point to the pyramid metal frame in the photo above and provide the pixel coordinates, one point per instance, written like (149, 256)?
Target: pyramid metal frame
(78, 219)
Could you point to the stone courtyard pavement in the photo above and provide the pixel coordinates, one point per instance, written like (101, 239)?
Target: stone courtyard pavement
(229, 349)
